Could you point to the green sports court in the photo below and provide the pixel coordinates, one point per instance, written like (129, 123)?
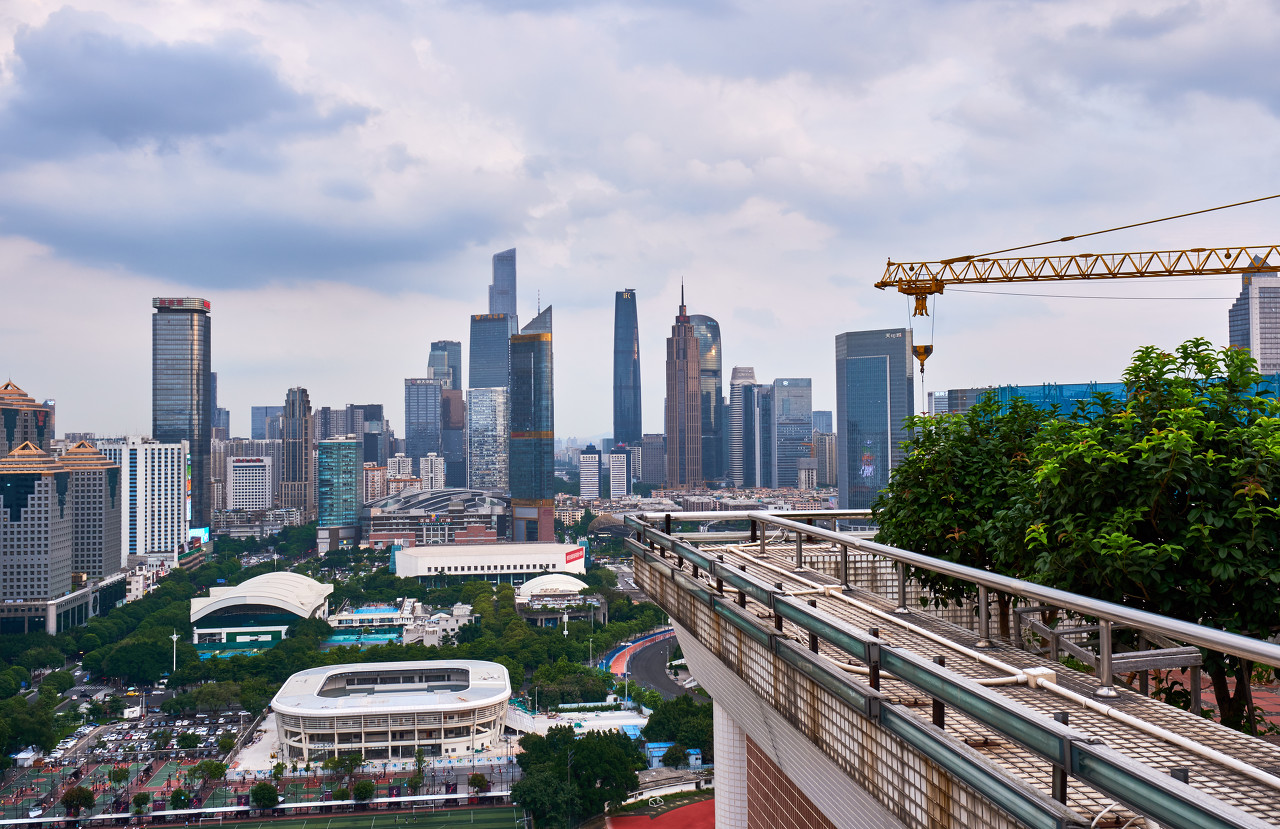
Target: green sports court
(496, 817)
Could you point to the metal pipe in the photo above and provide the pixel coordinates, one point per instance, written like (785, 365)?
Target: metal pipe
(902, 589)
(984, 618)
(1060, 773)
(940, 708)
(1107, 689)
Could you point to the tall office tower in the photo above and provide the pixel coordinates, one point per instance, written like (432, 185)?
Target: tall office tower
(221, 416)
(23, 420)
(181, 407)
(793, 427)
(589, 463)
(502, 293)
(154, 516)
(533, 444)
(824, 452)
(1254, 319)
(490, 350)
(653, 470)
(636, 453)
(759, 440)
(367, 422)
(684, 404)
(707, 331)
(619, 473)
(742, 375)
(248, 483)
(260, 417)
(453, 436)
(433, 473)
(874, 395)
(422, 417)
(339, 493)
(447, 354)
(37, 536)
(626, 369)
(96, 494)
(298, 478)
(488, 433)
(822, 421)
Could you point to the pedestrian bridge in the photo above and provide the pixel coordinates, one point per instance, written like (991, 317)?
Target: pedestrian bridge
(841, 701)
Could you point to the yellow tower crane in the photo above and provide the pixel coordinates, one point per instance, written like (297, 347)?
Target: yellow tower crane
(923, 279)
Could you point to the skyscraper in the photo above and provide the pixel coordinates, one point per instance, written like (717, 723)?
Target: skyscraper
(502, 293)
(221, 424)
(742, 375)
(758, 435)
(490, 350)
(626, 369)
(533, 487)
(95, 489)
(262, 419)
(822, 421)
(488, 433)
(653, 459)
(422, 417)
(873, 397)
(37, 536)
(297, 478)
(684, 404)
(589, 473)
(447, 354)
(1254, 319)
(793, 427)
(453, 436)
(154, 514)
(619, 473)
(340, 493)
(181, 401)
(825, 452)
(707, 330)
(23, 420)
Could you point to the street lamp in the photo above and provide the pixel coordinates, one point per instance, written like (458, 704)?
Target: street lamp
(174, 637)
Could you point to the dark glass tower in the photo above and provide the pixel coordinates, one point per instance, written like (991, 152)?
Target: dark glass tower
(181, 393)
(490, 351)
(793, 427)
(447, 354)
(422, 418)
(626, 369)
(502, 293)
(533, 488)
(298, 477)
(684, 404)
(874, 396)
(707, 330)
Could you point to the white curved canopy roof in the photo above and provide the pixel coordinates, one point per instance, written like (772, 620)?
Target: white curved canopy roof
(290, 592)
(552, 583)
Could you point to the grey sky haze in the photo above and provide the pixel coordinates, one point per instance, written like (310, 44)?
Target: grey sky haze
(335, 177)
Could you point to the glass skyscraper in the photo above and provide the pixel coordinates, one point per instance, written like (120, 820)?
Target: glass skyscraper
(742, 376)
(502, 293)
(1253, 322)
(298, 477)
(683, 406)
(758, 435)
(532, 447)
(490, 350)
(793, 430)
(447, 354)
(626, 369)
(422, 418)
(707, 330)
(488, 434)
(340, 482)
(874, 395)
(259, 418)
(822, 421)
(181, 394)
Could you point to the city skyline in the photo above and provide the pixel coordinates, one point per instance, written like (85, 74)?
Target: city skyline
(304, 199)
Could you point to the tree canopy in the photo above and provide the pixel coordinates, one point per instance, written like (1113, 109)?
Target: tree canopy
(565, 772)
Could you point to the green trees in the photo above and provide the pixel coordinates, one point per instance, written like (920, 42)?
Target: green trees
(363, 791)
(225, 744)
(180, 799)
(566, 774)
(118, 775)
(141, 801)
(187, 741)
(1165, 501)
(76, 799)
(477, 782)
(676, 757)
(682, 720)
(264, 796)
(59, 681)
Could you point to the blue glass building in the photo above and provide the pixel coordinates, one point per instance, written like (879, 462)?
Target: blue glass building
(422, 418)
(490, 356)
(710, 377)
(532, 447)
(181, 391)
(874, 396)
(626, 369)
(793, 430)
(447, 354)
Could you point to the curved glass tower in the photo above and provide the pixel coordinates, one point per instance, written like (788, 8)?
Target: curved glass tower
(626, 369)
(181, 399)
(707, 330)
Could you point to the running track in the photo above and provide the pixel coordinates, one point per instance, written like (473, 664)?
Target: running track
(618, 665)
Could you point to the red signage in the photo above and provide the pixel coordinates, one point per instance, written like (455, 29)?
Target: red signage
(573, 555)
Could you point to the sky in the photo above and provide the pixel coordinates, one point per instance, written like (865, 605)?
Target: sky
(335, 177)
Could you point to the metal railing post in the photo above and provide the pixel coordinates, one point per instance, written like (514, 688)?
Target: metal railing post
(844, 565)
(813, 637)
(902, 589)
(754, 530)
(799, 550)
(666, 523)
(1106, 689)
(873, 666)
(764, 534)
(1060, 773)
(984, 619)
(939, 707)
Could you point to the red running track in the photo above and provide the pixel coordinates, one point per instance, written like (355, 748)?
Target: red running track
(701, 815)
(619, 664)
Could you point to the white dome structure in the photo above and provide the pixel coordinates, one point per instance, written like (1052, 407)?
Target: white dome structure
(557, 583)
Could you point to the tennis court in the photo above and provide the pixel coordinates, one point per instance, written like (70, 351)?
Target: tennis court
(498, 817)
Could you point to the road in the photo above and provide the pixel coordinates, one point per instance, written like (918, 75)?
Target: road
(648, 667)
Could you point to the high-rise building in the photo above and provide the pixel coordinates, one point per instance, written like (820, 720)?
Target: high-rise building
(23, 420)
(490, 360)
(488, 434)
(626, 369)
(619, 473)
(532, 447)
(367, 422)
(707, 330)
(375, 481)
(422, 416)
(447, 354)
(181, 401)
(154, 514)
(502, 293)
(221, 416)
(874, 396)
(264, 420)
(653, 456)
(589, 463)
(742, 376)
(759, 439)
(37, 536)
(433, 473)
(793, 427)
(399, 465)
(453, 436)
(96, 493)
(822, 421)
(1253, 322)
(806, 473)
(339, 486)
(268, 450)
(683, 404)
(824, 452)
(298, 478)
(249, 483)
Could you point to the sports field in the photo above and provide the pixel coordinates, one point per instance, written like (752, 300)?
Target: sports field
(497, 817)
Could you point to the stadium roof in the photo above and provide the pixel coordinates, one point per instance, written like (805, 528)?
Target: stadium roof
(552, 583)
(487, 683)
(290, 592)
(438, 501)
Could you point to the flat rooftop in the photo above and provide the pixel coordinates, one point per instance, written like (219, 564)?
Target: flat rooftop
(304, 693)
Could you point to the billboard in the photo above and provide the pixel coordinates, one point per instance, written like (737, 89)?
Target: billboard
(573, 555)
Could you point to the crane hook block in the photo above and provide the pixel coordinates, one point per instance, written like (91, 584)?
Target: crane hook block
(922, 353)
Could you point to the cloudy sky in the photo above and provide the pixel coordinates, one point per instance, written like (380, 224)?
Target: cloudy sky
(335, 177)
